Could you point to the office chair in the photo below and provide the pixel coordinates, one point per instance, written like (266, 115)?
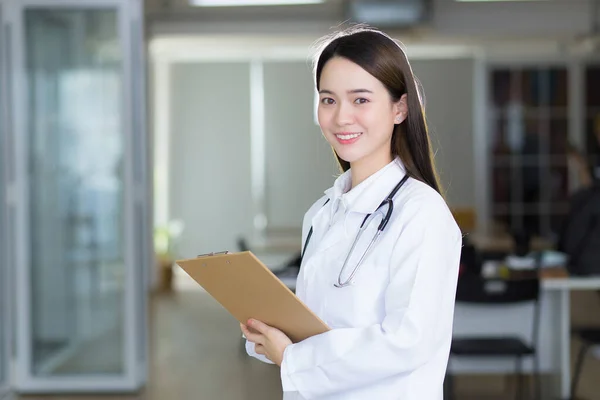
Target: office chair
(590, 338)
(474, 289)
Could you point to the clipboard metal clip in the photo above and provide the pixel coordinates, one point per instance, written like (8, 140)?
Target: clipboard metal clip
(213, 254)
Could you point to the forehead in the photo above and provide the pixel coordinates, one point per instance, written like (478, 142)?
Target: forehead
(342, 74)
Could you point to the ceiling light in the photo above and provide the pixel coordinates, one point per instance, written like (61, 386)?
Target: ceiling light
(233, 3)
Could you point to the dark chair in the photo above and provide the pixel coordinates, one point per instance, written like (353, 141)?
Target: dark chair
(474, 289)
(242, 244)
(590, 338)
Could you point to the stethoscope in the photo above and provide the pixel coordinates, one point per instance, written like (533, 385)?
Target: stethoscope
(363, 226)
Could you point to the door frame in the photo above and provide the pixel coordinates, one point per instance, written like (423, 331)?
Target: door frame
(5, 265)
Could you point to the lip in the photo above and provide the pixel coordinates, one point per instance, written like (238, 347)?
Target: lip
(347, 141)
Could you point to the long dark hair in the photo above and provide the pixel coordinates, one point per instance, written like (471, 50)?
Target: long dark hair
(382, 57)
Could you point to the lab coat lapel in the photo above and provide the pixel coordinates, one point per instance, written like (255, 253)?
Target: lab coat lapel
(322, 220)
(323, 239)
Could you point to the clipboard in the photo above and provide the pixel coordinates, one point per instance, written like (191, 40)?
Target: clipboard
(246, 288)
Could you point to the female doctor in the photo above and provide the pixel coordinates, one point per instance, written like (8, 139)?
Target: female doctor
(386, 290)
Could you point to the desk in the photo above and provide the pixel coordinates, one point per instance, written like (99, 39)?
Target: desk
(562, 288)
(554, 347)
(502, 242)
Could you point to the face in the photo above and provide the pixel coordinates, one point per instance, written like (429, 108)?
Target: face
(357, 114)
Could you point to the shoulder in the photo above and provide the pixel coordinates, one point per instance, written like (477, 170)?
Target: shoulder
(310, 214)
(315, 207)
(422, 208)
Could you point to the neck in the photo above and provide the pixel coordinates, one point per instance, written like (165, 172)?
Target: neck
(362, 169)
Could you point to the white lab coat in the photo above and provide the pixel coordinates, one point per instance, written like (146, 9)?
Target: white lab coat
(391, 330)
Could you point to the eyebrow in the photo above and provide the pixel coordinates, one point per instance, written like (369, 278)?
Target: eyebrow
(324, 91)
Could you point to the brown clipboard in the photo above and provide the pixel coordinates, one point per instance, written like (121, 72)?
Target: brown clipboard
(246, 288)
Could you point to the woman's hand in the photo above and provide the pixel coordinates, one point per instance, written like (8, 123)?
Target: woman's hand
(268, 341)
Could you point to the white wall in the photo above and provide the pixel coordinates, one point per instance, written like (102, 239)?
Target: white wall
(210, 154)
(300, 162)
(210, 148)
(448, 87)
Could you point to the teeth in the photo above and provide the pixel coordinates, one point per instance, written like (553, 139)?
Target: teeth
(348, 137)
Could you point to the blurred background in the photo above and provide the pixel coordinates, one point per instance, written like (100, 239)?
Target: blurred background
(137, 132)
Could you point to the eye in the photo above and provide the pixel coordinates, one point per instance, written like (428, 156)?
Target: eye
(361, 100)
(327, 100)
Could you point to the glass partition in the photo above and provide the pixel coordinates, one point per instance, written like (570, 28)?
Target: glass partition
(81, 239)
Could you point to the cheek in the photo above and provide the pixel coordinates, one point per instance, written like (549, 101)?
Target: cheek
(324, 118)
(377, 123)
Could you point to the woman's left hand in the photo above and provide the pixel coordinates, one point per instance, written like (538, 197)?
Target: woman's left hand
(268, 341)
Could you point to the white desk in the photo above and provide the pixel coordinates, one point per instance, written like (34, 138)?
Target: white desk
(562, 287)
(554, 346)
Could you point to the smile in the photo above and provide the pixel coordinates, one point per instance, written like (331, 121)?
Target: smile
(347, 136)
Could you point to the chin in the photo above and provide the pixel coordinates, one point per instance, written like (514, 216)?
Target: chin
(348, 156)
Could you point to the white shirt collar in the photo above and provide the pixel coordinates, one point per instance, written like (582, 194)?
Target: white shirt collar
(367, 195)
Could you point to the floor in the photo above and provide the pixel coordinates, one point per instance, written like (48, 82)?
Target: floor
(198, 354)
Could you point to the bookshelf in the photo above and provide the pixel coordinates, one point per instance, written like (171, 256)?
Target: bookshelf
(528, 120)
(592, 117)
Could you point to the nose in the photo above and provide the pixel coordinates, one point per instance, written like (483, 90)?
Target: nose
(345, 115)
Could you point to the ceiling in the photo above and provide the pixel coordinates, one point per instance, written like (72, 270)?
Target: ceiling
(527, 24)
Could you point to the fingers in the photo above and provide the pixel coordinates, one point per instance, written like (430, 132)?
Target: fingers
(245, 331)
(260, 349)
(259, 326)
(252, 337)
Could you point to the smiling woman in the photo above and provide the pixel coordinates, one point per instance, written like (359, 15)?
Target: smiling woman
(381, 248)
(364, 74)
(348, 113)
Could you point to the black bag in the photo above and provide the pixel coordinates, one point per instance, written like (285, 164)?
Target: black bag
(580, 236)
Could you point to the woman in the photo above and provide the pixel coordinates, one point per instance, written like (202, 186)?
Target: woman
(392, 324)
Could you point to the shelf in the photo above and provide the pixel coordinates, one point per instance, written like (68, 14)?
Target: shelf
(592, 111)
(529, 125)
(531, 112)
(504, 209)
(558, 160)
(534, 85)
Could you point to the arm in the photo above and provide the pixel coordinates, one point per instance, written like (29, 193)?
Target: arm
(417, 326)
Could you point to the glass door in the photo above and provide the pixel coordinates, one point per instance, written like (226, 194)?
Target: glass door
(81, 229)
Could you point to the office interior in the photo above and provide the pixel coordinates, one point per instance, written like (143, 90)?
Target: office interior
(138, 132)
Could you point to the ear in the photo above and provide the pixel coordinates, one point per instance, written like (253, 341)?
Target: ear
(400, 110)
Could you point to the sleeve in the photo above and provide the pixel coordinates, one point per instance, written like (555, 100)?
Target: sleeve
(417, 327)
